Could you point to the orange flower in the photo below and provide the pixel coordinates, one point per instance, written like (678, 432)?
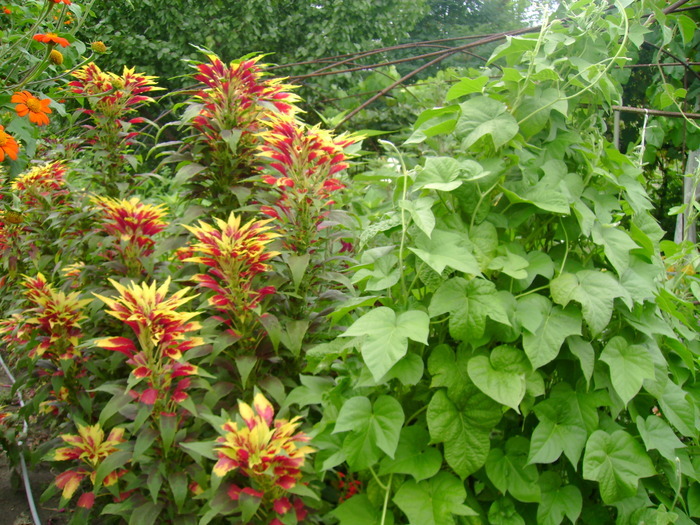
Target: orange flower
(51, 39)
(8, 145)
(28, 104)
(68, 2)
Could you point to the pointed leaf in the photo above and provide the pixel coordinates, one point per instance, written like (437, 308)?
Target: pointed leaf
(433, 502)
(464, 429)
(413, 455)
(446, 248)
(421, 213)
(629, 366)
(469, 304)
(558, 501)
(561, 429)
(385, 336)
(616, 244)
(509, 470)
(595, 291)
(359, 510)
(485, 117)
(501, 375)
(547, 327)
(617, 462)
(656, 433)
(371, 427)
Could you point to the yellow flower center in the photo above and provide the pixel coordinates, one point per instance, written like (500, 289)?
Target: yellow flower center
(34, 105)
(3, 138)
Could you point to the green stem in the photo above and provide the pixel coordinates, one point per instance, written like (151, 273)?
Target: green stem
(29, 32)
(376, 478)
(386, 499)
(417, 413)
(404, 227)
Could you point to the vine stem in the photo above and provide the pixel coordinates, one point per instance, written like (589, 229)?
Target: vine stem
(386, 499)
(404, 193)
(376, 478)
(609, 64)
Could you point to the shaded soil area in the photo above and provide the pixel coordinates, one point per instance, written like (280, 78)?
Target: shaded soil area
(14, 508)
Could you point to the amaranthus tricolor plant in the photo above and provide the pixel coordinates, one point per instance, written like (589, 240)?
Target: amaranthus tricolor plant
(43, 186)
(161, 331)
(267, 455)
(303, 166)
(90, 448)
(224, 116)
(132, 224)
(235, 255)
(49, 330)
(112, 98)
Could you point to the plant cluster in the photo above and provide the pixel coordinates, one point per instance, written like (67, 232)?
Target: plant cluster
(481, 325)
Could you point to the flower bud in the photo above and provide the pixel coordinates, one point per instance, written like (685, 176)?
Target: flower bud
(56, 57)
(98, 47)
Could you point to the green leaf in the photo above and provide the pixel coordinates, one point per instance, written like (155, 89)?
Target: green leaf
(198, 449)
(503, 512)
(676, 405)
(249, 505)
(466, 86)
(371, 427)
(434, 122)
(359, 510)
(657, 434)
(616, 244)
(448, 370)
(501, 375)
(513, 49)
(464, 429)
(510, 264)
(421, 213)
(178, 486)
(595, 291)
(414, 456)
(485, 117)
(629, 366)
(385, 336)
(297, 266)
(383, 274)
(538, 263)
(186, 172)
(409, 370)
(688, 28)
(540, 195)
(433, 502)
(469, 304)
(245, 365)
(145, 514)
(533, 113)
(439, 173)
(561, 429)
(547, 326)
(584, 352)
(111, 463)
(446, 248)
(509, 471)
(617, 462)
(558, 501)
(145, 439)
